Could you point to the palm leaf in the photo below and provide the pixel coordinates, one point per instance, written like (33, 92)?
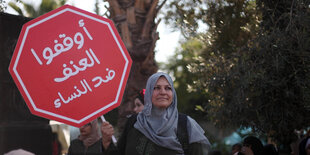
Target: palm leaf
(16, 8)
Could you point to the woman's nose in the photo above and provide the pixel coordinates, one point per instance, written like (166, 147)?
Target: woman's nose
(162, 91)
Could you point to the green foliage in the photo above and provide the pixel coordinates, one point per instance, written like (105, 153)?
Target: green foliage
(31, 11)
(271, 79)
(185, 15)
(206, 56)
(189, 100)
(16, 8)
(250, 68)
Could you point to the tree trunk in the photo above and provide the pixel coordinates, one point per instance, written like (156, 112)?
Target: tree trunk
(135, 21)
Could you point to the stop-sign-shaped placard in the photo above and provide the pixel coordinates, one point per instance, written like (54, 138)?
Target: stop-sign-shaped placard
(70, 65)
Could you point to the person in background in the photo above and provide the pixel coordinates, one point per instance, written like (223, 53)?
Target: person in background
(294, 145)
(252, 146)
(304, 145)
(236, 148)
(90, 142)
(139, 102)
(154, 130)
(308, 147)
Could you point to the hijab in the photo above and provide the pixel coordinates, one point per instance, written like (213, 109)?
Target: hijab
(160, 125)
(93, 137)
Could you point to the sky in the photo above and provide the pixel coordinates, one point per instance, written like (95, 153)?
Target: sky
(165, 46)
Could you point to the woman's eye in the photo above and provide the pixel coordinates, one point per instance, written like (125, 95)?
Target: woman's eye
(156, 88)
(168, 88)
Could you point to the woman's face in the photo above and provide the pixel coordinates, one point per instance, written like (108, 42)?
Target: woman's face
(162, 95)
(85, 130)
(246, 150)
(138, 106)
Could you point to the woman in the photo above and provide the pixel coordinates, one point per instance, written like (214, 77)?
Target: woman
(252, 146)
(155, 129)
(139, 102)
(89, 141)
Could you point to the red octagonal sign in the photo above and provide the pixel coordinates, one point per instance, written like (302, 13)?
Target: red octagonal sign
(70, 65)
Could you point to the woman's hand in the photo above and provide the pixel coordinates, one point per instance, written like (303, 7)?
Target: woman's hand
(107, 131)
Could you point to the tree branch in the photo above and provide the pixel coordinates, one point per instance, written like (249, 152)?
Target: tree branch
(149, 19)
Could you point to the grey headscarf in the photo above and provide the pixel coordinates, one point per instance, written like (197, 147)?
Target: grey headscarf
(160, 125)
(93, 137)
